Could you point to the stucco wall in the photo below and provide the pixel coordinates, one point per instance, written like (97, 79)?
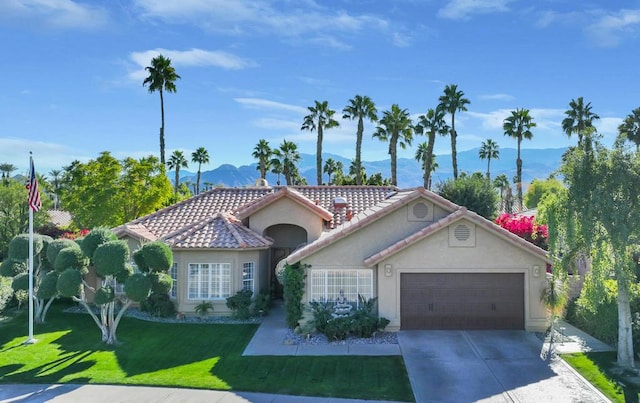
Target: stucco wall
(287, 211)
(491, 254)
(235, 258)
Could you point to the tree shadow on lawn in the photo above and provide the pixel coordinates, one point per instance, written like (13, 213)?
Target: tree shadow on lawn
(50, 372)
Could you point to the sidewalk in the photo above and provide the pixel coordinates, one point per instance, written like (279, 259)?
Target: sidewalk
(573, 340)
(271, 339)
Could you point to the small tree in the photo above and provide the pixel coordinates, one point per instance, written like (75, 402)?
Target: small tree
(110, 259)
(473, 192)
(16, 267)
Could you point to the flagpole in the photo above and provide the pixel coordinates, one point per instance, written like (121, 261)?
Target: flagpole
(30, 339)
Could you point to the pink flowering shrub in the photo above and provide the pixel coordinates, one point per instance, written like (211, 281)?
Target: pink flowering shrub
(526, 228)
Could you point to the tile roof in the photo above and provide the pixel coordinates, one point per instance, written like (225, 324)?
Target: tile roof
(190, 223)
(59, 218)
(461, 213)
(222, 231)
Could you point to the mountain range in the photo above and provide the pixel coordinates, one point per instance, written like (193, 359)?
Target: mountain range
(536, 164)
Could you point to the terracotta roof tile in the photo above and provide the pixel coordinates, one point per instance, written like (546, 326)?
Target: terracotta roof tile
(193, 217)
(60, 218)
(222, 231)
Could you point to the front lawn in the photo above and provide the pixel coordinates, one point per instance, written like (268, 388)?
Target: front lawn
(597, 369)
(206, 356)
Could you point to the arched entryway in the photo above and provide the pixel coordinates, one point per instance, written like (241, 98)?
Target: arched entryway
(286, 238)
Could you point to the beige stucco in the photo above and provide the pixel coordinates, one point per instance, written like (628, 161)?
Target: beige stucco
(287, 211)
(491, 254)
(485, 252)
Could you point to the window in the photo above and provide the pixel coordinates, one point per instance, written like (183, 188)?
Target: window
(174, 276)
(327, 284)
(209, 280)
(247, 276)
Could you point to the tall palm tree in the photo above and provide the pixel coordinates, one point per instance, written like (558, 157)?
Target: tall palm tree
(396, 128)
(502, 183)
(630, 128)
(320, 118)
(162, 77)
(201, 156)
(286, 159)
(431, 123)
(428, 162)
(453, 101)
(55, 178)
(518, 126)
(262, 152)
(489, 149)
(177, 161)
(579, 119)
(6, 170)
(357, 174)
(331, 167)
(276, 165)
(360, 108)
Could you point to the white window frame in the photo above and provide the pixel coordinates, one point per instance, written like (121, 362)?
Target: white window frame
(325, 284)
(173, 272)
(208, 281)
(248, 276)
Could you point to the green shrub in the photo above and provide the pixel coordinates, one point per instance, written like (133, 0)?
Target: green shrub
(262, 303)
(19, 246)
(12, 267)
(110, 258)
(293, 290)
(54, 247)
(137, 287)
(158, 305)
(47, 288)
(71, 258)
(104, 295)
(473, 192)
(157, 256)
(203, 308)
(321, 314)
(69, 283)
(95, 238)
(161, 283)
(240, 304)
(338, 328)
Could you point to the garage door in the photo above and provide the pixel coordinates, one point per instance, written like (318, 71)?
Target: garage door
(462, 301)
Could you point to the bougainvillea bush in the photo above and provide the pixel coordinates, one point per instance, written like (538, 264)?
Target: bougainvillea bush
(525, 227)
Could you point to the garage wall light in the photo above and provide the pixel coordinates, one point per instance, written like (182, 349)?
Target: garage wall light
(388, 270)
(536, 270)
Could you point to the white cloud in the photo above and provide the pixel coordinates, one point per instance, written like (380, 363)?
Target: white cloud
(258, 103)
(66, 14)
(464, 9)
(497, 97)
(546, 119)
(192, 57)
(46, 156)
(609, 29)
(244, 17)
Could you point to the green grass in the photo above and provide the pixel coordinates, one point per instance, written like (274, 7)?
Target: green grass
(596, 368)
(206, 356)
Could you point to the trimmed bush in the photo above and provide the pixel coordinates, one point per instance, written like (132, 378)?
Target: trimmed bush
(20, 282)
(70, 283)
(158, 305)
(54, 247)
(71, 258)
(158, 256)
(13, 267)
(137, 287)
(104, 295)
(161, 283)
(240, 304)
(19, 246)
(47, 288)
(6, 292)
(138, 258)
(110, 258)
(95, 238)
(293, 290)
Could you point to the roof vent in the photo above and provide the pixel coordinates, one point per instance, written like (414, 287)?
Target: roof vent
(339, 202)
(261, 182)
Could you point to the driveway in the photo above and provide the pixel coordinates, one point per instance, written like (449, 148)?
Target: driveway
(489, 366)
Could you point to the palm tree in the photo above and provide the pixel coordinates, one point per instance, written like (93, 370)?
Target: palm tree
(177, 161)
(430, 165)
(488, 150)
(162, 77)
(502, 183)
(331, 167)
(276, 164)
(285, 160)
(360, 107)
(630, 128)
(320, 118)
(396, 128)
(56, 182)
(359, 175)
(518, 126)
(201, 156)
(6, 170)
(262, 152)
(452, 101)
(579, 119)
(432, 123)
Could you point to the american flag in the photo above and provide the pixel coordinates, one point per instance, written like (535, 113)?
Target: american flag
(34, 192)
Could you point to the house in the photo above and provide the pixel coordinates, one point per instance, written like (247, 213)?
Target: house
(431, 263)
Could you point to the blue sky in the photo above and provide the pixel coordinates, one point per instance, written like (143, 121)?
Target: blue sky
(73, 70)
